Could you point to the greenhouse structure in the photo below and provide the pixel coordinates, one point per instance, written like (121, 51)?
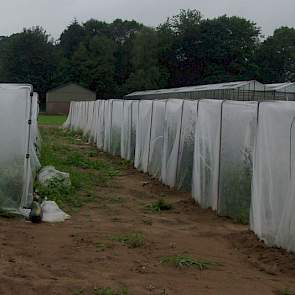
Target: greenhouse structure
(281, 91)
(241, 90)
(19, 146)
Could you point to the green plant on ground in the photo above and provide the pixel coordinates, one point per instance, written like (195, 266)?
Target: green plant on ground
(87, 171)
(285, 291)
(116, 200)
(51, 120)
(159, 206)
(101, 247)
(110, 291)
(147, 221)
(182, 261)
(235, 187)
(55, 190)
(131, 240)
(78, 292)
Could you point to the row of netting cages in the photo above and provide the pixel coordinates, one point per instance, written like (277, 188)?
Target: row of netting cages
(20, 144)
(237, 157)
(158, 136)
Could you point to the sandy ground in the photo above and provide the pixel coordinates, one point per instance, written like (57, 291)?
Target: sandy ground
(79, 255)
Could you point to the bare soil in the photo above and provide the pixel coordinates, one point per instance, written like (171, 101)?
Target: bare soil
(79, 255)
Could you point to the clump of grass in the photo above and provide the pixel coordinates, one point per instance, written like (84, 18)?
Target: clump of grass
(159, 206)
(147, 221)
(116, 200)
(285, 291)
(185, 261)
(131, 240)
(101, 247)
(78, 292)
(110, 291)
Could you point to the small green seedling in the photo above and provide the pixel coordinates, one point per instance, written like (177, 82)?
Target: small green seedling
(185, 261)
(101, 247)
(78, 292)
(131, 240)
(285, 291)
(147, 221)
(159, 206)
(110, 291)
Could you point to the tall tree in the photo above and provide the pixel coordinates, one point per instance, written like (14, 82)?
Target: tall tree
(147, 73)
(28, 57)
(227, 46)
(183, 35)
(275, 57)
(71, 38)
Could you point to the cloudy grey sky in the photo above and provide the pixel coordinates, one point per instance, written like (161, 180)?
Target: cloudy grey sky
(55, 15)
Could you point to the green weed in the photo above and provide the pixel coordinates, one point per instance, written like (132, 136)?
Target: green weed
(101, 247)
(78, 292)
(285, 291)
(159, 206)
(131, 240)
(110, 291)
(184, 261)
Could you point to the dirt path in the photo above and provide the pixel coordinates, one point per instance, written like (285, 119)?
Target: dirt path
(80, 255)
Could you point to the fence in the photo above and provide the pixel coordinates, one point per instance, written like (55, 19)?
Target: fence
(236, 157)
(19, 141)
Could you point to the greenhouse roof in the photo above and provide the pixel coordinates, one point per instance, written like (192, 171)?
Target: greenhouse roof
(281, 87)
(247, 85)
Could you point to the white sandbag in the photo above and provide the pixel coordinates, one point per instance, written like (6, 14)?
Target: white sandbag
(52, 213)
(49, 173)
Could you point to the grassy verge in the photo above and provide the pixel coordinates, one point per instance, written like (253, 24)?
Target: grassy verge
(70, 153)
(51, 120)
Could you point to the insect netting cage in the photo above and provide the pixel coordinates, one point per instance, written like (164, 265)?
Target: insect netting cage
(238, 132)
(18, 133)
(157, 138)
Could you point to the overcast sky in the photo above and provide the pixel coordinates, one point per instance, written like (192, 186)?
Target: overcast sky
(55, 15)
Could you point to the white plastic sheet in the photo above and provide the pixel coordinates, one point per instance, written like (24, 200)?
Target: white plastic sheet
(206, 153)
(272, 215)
(89, 117)
(239, 121)
(128, 135)
(186, 146)
(107, 125)
(94, 122)
(157, 138)
(143, 134)
(116, 126)
(15, 166)
(100, 127)
(35, 140)
(172, 127)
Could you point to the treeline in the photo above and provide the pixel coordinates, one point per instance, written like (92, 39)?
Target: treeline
(123, 56)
